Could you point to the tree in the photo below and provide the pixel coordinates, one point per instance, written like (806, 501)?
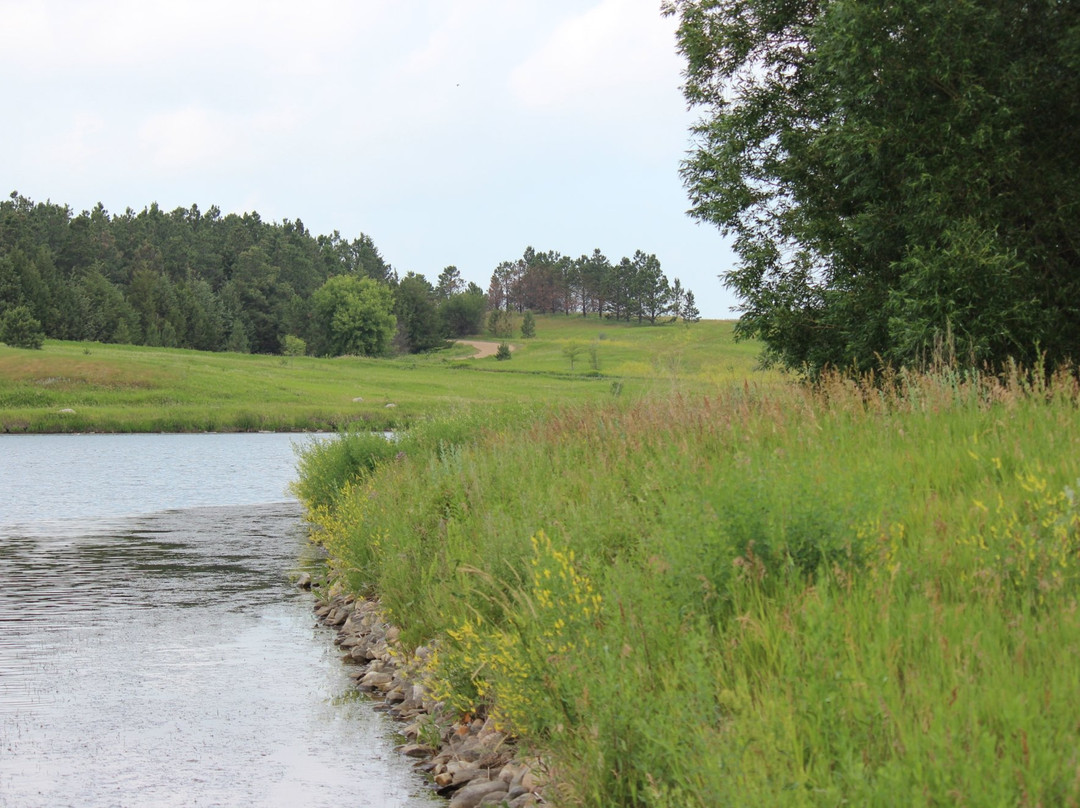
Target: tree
(690, 313)
(891, 173)
(19, 329)
(417, 314)
(572, 350)
(292, 345)
(675, 302)
(353, 316)
(450, 283)
(528, 325)
(652, 292)
(463, 314)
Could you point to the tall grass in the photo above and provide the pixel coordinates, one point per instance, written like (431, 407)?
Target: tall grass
(860, 594)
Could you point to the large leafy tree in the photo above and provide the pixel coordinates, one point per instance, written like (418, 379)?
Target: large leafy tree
(899, 178)
(462, 314)
(353, 316)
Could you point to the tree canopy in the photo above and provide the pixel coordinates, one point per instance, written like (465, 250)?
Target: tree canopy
(203, 280)
(634, 288)
(899, 178)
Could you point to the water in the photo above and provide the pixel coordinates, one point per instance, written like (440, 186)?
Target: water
(152, 649)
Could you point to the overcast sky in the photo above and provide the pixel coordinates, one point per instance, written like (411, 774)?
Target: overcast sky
(450, 131)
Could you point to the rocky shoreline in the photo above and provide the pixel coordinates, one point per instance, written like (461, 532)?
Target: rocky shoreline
(470, 762)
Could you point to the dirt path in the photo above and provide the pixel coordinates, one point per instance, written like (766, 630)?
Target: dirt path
(483, 349)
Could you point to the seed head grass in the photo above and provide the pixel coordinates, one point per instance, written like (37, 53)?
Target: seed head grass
(861, 592)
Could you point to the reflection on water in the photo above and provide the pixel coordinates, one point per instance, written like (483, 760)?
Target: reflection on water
(164, 659)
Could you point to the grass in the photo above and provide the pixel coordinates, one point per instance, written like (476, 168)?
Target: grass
(761, 594)
(115, 388)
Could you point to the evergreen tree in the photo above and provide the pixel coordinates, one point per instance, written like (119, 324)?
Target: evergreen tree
(19, 328)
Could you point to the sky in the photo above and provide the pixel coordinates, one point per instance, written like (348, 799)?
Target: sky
(449, 131)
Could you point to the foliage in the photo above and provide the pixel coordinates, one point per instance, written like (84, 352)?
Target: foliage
(635, 288)
(462, 314)
(503, 353)
(501, 324)
(897, 177)
(528, 325)
(293, 346)
(572, 350)
(859, 593)
(416, 309)
(19, 329)
(353, 316)
(186, 278)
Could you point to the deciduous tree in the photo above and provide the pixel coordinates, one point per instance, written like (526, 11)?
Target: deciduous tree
(891, 173)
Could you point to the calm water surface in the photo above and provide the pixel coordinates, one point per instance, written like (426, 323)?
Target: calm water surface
(152, 650)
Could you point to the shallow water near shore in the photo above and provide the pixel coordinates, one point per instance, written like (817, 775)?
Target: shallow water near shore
(152, 649)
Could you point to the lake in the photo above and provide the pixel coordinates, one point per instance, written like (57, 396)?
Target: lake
(153, 651)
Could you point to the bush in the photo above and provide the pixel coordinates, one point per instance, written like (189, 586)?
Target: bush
(20, 329)
(503, 351)
(293, 346)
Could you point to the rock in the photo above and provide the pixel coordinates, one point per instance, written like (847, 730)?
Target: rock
(391, 405)
(67, 411)
(357, 400)
(375, 679)
(471, 795)
(416, 750)
(304, 581)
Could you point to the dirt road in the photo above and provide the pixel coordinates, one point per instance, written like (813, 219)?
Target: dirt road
(483, 349)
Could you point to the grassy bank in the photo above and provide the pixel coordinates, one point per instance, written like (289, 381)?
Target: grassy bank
(757, 596)
(117, 388)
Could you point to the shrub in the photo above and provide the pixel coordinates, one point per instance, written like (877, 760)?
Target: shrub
(20, 329)
(503, 351)
(293, 346)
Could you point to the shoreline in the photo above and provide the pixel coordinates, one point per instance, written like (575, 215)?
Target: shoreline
(469, 762)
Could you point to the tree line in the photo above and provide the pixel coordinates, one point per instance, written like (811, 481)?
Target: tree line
(211, 281)
(208, 281)
(633, 289)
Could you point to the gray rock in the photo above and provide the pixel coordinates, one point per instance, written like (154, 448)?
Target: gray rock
(471, 795)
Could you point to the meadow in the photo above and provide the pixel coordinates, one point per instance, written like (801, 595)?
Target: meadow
(752, 593)
(123, 388)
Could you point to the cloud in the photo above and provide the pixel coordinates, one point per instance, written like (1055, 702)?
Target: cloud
(617, 54)
(274, 36)
(202, 138)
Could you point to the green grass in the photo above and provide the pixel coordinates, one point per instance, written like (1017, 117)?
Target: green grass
(116, 388)
(762, 595)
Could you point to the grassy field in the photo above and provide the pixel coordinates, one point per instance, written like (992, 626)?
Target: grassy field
(116, 388)
(755, 595)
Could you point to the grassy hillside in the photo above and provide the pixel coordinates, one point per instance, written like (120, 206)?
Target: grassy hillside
(126, 388)
(765, 595)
